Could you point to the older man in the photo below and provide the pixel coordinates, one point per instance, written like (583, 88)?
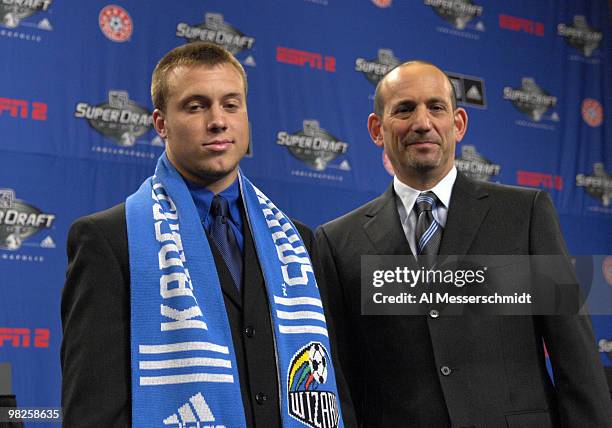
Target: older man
(460, 371)
(195, 303)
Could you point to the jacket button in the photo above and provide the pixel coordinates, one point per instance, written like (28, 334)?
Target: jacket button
(249, 331)
(261, 398)
(434, 313)
(445, 370)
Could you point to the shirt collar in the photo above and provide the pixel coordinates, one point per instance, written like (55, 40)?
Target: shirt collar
(442, 190)
(202, 198)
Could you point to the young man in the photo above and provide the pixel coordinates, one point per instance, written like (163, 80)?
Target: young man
(195, 301)
(460, 371)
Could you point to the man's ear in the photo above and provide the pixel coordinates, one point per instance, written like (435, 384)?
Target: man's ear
(374, 128)
(461, 121)
(159, 122)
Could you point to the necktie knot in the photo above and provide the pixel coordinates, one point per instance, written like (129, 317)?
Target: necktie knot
(428, 231)
(425, 202)
(219, 208)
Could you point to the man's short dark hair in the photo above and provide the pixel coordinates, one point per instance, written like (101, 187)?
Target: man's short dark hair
(379, 102)
(190, 54)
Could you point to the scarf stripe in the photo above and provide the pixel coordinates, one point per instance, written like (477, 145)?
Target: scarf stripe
(184, 368)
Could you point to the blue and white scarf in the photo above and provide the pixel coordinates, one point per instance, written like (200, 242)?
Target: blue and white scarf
(184, 371)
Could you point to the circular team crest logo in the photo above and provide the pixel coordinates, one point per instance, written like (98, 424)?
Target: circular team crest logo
(309, 399)
(115, 23)
(606, 268)
(382, 3)
(592, 112)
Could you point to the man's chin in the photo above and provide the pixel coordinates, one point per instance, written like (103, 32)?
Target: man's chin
(217, 174)
(424, 165)
(206, 176)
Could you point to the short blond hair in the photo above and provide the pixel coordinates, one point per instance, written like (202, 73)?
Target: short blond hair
(190, 54)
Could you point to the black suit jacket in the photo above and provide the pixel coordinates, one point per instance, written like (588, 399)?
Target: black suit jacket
(95, 355)
(468, 371)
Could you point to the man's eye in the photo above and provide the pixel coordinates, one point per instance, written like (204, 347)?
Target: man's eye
(402, 109)
(438, 107)
(231, 106)
(195, 107)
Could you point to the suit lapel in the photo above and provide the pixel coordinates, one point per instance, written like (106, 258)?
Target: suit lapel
(383, 227)
(253, 276)
(468, 208)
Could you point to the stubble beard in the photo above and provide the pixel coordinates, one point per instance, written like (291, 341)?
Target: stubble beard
(425, 164)
(423, 167)
(422, 164)
(210, 174)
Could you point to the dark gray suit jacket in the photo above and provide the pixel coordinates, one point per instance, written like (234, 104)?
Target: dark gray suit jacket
(467, 371)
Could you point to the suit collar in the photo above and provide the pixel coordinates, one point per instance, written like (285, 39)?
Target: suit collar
(468, 207)
(383, 227)
(443, 190)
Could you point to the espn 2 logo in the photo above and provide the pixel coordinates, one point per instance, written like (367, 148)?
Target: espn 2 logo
(23, 337)
(301, 58)
(23, 109)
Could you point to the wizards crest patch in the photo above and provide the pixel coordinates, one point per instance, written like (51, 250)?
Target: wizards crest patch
(308, 400)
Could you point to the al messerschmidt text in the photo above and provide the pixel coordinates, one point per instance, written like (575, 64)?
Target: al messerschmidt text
(409, 298)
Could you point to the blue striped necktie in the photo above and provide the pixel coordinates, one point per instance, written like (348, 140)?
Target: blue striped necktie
(224, 238)
(428, 232)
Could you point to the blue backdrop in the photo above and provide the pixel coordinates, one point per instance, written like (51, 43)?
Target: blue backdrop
(76, 134)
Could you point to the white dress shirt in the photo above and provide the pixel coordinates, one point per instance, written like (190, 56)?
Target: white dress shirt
(405, 197)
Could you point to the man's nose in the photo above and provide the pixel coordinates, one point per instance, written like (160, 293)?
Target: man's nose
(422, 121)
(217, 122)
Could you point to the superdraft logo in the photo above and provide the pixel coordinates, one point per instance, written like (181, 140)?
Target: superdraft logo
(120, 120)
(315, 147)
(580, 36)
(374, 69)
(533, 101)
(25, 19)
(20, 222)
(308, 401)
(474, 165)
(214, 29)
(598, 185)
(463, 15)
